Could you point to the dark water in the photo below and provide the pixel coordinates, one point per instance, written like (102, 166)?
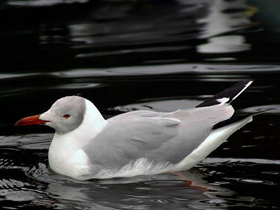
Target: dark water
(129, 55)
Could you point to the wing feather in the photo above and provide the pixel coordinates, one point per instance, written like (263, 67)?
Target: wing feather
(162, 137)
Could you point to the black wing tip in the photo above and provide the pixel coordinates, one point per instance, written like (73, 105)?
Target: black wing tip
(228, 95)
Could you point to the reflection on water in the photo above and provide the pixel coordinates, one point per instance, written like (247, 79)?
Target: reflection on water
(130, 55)
(224, 17)
(36, 3)
(117, 33)
(224, 44)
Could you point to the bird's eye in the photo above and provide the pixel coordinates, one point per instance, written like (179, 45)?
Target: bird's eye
(67, 116)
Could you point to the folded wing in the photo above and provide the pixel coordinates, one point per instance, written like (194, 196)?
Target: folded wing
(158, 137)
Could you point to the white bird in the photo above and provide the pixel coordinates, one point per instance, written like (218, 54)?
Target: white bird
(87, 146)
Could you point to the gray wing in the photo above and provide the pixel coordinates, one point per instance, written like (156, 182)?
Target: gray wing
(159, 137)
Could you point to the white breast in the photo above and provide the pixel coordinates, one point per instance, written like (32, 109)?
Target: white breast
(65, 158)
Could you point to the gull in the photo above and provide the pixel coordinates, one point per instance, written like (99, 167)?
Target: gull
(143, 142)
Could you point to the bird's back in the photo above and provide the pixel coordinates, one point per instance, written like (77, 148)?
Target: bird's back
(155, 136)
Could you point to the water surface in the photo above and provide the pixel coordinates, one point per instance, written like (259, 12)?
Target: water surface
(135, 55)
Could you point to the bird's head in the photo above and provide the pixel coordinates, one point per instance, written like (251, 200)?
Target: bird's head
(65, 115)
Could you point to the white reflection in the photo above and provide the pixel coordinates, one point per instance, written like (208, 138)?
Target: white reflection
(224, 17)
(39, 3)
(224, 44)
(219, 21)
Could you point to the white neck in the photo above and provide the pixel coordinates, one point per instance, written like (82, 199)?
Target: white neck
(66, 149)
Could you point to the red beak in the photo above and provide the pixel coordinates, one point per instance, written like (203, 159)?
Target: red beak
(32, 120)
